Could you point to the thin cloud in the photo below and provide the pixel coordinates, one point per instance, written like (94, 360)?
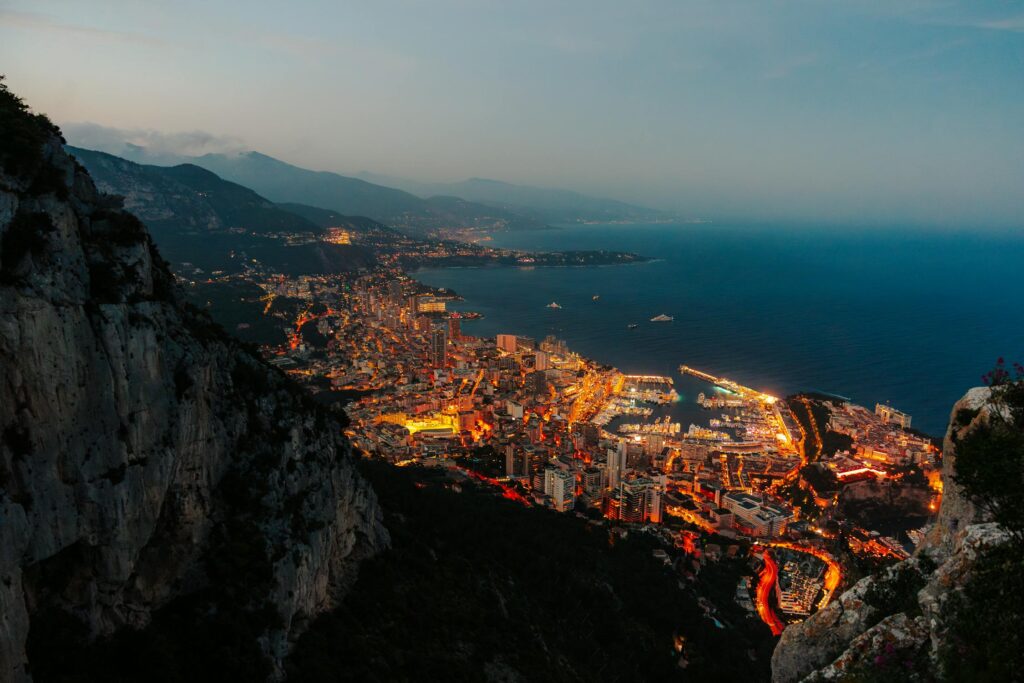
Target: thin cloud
(36, 21)
(1014, 24)
(152, 144)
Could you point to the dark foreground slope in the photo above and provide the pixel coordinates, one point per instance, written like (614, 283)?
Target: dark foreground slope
(154, 474)
(477, 587)
(173, 510)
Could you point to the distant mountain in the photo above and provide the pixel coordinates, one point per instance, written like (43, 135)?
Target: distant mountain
(544, 204)
(199, 218)
(187, 195)
(283, 182)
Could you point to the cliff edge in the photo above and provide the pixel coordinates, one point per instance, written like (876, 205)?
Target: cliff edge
(893, 623)
(149, 464)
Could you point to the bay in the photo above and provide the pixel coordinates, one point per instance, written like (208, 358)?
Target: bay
(909, 317)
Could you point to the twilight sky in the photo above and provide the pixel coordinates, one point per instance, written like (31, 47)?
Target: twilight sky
(874, 112)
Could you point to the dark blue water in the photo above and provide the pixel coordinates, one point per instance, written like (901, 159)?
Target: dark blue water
(913, 318)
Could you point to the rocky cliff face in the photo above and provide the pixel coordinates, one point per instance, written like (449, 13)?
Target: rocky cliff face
(896, 614)
(145, 456)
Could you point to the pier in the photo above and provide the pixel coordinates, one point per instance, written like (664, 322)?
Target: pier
(648, 379)
(687, 370)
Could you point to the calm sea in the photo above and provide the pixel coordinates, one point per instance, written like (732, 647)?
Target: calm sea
(910, 318)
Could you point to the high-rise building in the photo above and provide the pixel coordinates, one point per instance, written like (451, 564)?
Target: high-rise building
(507, 342)
(395, 291)
(537, 383)
(553, 345)
(654, 503)
(636, 500)
(616, 464)
(635, 457)
(593, 481)
(517, 461)
(632, 497)
(561, 486)
(525, 344)
(439, 347)
(542, 361)
(454, 329)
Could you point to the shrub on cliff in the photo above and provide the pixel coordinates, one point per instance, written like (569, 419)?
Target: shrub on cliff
(24, 134)
(985, 620)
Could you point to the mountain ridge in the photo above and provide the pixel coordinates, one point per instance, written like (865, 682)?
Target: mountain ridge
(198, 217)
(554, 205)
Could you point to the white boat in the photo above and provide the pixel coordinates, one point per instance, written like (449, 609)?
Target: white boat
(553, 305)
(595, 297)
(662, 318)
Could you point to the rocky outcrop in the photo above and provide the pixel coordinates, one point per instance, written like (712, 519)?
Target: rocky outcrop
(957, 511)
(143, 451)
(897, 613)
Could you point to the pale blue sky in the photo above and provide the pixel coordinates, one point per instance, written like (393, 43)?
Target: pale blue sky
(877, 112)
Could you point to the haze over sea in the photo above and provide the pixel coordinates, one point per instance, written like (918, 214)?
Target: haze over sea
(909, 317)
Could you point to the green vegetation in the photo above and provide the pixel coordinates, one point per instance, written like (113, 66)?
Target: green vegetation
(477, 585)
(25, 236)
(834, 442)
(118, 227)
(898, 592)
(985, 640)
(985, 637)
(801, 498)
(24, 133)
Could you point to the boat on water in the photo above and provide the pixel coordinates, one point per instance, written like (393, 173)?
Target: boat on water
(595, 297)
(662, 318)
(553, 304)
(633, 326)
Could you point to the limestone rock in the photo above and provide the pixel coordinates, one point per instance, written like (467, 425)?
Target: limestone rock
(125, 415)
(845, 635)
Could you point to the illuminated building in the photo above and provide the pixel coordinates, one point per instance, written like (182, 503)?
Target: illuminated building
(616, 464)
(517, 461)
(634, 497)
(654, 504)
(554, 346)
(439, 424)
(561, 486)
(338, 236)
(467, 420)
(593, 481)
(525, 344)
(514, 409)
(756, 514)
(537, 383)
(454, 329)
(507, 342)
(890, 415)
(439, 348)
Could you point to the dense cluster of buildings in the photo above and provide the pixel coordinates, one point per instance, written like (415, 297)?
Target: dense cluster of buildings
(545, 416)
(559, 430)
(880, 438)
